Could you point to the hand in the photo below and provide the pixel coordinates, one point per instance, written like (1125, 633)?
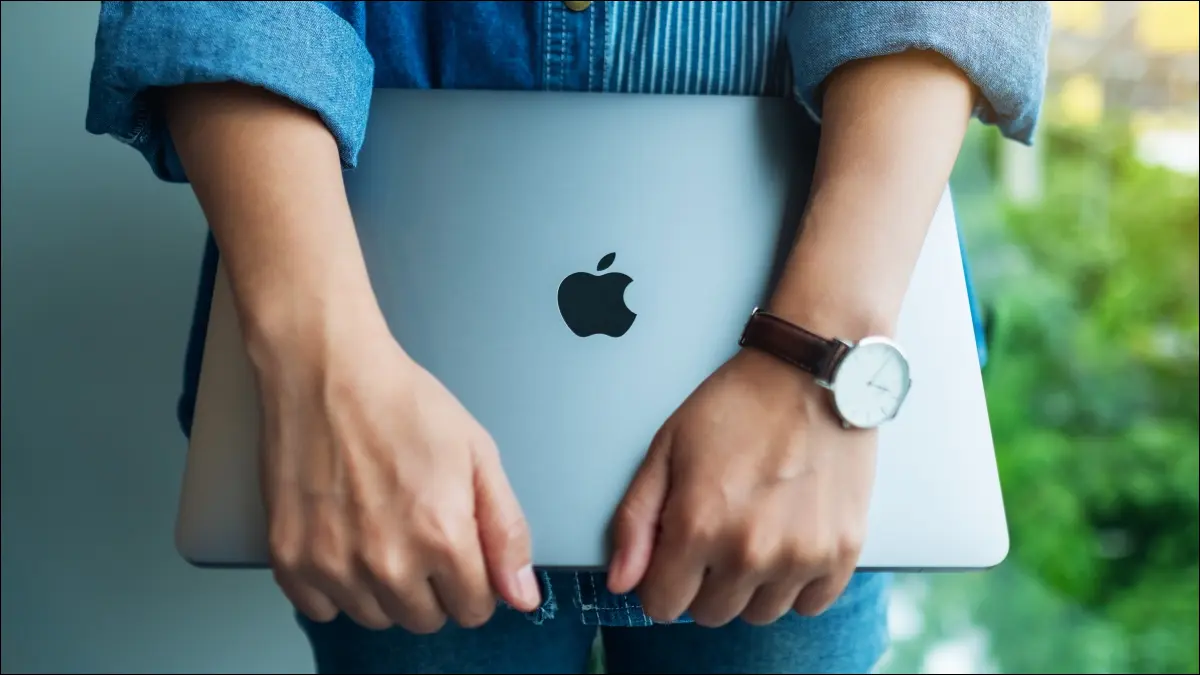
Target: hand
(751, 501)
(386, 499)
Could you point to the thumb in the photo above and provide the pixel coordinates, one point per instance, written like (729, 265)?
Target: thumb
(637, 518)
(504, 536)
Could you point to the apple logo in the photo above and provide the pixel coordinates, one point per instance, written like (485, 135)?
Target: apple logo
(593, 304)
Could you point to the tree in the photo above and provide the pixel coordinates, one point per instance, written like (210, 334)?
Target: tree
(1093, 396)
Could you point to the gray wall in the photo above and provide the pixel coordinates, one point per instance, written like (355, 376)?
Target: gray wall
(99, 265)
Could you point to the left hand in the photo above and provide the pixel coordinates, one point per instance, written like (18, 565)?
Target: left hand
(752, 501)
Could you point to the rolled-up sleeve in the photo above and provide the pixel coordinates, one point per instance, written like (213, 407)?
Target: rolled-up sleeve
(312, 53)
(1001, 46)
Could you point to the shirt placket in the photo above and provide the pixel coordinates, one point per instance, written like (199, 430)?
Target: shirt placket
(573, 45)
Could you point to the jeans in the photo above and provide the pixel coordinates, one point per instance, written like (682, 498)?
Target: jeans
(848, 638)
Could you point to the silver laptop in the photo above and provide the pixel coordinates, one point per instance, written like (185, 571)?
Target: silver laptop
(572, 266)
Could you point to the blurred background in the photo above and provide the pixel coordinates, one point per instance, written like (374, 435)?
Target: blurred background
(1084, 252)
(1083, 249)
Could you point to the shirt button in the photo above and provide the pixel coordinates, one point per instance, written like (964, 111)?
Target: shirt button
(575, 6)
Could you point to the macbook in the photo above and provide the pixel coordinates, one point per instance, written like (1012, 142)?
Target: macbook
(571, 266)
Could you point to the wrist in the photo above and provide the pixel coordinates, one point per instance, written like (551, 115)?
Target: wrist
(848, 272)
(839, 289)
(786, 386)
(304, 330)
(834, 315)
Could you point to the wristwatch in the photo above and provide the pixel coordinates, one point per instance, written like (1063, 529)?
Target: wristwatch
(868, 380)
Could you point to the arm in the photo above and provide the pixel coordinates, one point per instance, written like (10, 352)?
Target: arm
(260, 105)
(143, 49)
(247, 148)
(268, 177)
(892, 130)
(895, 84)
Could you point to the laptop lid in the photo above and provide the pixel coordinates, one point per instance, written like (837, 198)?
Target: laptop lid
(571, 266)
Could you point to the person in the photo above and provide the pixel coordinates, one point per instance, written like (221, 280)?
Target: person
(741, 530)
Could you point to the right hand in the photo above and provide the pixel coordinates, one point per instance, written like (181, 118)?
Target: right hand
(386, 499)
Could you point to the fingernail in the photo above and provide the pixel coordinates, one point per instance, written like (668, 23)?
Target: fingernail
(527, 586)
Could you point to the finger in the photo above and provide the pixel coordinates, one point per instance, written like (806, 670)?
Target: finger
(463, 588)
(400, 586)
(677, 565)
(288, 567)
(722, 597)
(337, 580)
(307, 600)
(413, 606)
(821, 593)
(771, 601)
(360, 605)
(637, 520)
(504, 536)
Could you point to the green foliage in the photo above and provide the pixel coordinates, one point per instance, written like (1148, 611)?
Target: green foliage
(1093, 397)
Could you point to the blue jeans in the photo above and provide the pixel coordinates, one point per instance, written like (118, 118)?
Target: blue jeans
(849, 638)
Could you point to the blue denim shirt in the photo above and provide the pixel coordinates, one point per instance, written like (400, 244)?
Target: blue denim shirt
(329, 56)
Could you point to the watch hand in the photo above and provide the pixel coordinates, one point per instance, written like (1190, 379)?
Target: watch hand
(871, 381)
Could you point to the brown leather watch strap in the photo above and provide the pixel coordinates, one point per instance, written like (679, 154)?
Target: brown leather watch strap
(788, 342)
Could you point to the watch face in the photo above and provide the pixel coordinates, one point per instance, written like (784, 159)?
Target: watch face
(870, 383)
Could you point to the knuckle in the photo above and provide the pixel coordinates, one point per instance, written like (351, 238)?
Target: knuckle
(756, 552)
(514, 532)
(627, 517)
(384, 567)
(815, 551)
(482, 444)
(799, 557)
(440, 547)
(754, 557)
(810, 558)
(439, 535)
(796, 559)
(330, 564)
(634, 508)
(849, 547)
(287, 557)
(696, 530)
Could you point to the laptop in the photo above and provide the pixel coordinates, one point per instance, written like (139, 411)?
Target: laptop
(571, 266)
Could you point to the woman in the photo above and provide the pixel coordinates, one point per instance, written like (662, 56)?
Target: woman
(261, 105)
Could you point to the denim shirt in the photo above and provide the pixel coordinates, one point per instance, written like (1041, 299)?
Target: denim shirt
(329, 56)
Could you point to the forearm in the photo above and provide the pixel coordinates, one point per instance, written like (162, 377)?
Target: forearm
(268, 177)
(892, 129)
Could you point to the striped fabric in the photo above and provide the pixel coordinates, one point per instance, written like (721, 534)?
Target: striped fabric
(689, 47)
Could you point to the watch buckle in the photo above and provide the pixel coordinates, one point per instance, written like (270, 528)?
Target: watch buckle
(742, 339)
